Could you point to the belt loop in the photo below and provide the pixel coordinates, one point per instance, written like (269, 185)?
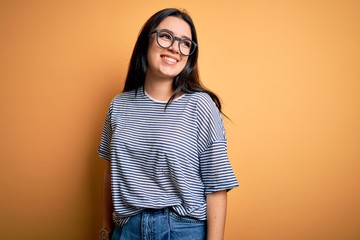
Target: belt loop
(166, 210)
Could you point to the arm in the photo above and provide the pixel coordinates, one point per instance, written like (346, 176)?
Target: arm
(216, 215)
(107, 199)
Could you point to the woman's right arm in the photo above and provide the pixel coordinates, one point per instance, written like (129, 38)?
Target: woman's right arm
(108, 208)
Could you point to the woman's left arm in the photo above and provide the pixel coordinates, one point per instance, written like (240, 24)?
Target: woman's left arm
(216, 215)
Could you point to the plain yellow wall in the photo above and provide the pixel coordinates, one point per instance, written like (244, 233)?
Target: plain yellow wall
(288, 73)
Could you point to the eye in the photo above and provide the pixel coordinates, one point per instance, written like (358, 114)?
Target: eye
(186, 43)
(165, 36)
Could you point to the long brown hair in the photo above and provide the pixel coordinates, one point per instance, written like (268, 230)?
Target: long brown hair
(188, 81)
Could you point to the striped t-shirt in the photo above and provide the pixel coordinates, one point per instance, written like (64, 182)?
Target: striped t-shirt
(162, 157)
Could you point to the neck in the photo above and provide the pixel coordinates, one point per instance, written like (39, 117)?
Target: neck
(159, 90)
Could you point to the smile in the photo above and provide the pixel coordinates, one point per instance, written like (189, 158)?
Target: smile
(169, 59)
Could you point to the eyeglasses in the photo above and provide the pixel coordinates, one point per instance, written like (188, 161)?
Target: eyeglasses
(166, 39)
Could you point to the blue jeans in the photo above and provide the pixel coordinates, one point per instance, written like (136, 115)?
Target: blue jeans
(162, 224)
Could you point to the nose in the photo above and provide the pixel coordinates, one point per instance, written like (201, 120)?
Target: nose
(174, 49)
(175, 46)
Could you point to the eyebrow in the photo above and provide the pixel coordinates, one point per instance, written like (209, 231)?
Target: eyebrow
(174, 33)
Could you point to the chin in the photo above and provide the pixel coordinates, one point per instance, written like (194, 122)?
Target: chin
(171, 75)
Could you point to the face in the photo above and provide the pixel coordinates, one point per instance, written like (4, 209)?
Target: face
(167, 63)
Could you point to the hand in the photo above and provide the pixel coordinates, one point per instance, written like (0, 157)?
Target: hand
(104, 234)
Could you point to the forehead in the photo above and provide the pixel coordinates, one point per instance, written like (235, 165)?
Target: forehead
(177, 25)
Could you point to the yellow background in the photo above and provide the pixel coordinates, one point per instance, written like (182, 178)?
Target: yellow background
(288, 73)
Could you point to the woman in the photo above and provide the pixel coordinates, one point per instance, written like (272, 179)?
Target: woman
(167, 172)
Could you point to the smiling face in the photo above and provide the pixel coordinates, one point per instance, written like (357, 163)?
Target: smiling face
(164, 63)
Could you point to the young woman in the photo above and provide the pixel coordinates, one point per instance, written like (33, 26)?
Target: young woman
(167, 172)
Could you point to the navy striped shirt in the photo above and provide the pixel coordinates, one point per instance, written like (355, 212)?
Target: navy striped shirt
(165, 158)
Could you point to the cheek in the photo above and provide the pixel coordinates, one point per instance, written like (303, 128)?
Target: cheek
(150, 54)
(183, 63)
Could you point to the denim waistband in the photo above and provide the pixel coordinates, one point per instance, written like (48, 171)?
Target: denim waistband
(160, 224)
(165, 210)
(120, 221)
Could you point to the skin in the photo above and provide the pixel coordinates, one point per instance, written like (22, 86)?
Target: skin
(108, 209)
(164, 65)
(216, 215)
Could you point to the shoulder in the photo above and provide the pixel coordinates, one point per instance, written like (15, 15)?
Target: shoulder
(203, 102)
(202, 99)
(122, 98)
(125, 96)
(120, 101)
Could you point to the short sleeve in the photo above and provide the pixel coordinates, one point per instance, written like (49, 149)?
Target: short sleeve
(216, 171)
(104, 147)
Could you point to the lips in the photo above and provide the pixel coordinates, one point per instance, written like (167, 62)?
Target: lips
(169, 59)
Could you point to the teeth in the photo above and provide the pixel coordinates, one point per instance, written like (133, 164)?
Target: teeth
(170, 59)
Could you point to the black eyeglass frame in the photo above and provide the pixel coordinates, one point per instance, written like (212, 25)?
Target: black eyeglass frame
(174, 38)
